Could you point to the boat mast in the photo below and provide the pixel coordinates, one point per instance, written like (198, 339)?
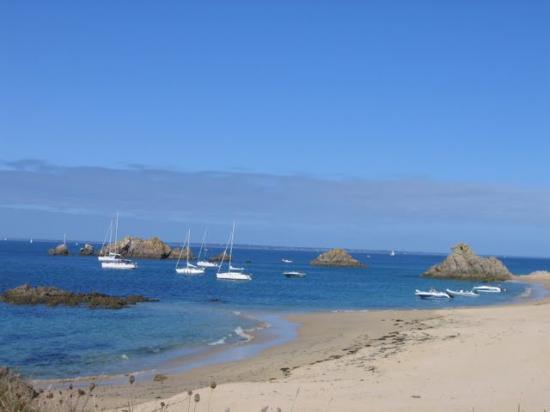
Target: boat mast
(188, 241)
(202, 246)
(116, 232)
(231, 248)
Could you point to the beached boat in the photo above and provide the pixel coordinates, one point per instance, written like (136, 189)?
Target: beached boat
(203, 262)
(188, 269)
(294, 274)
(487, 289)
(432, 294)
(232, 273)
(286, 260)
(467, 293)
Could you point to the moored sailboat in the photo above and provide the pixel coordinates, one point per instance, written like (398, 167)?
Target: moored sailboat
(189, 268)
(232, 273)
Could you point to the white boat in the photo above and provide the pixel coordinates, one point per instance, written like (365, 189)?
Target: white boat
(392, 253)
(487, 289)
(115, 260)
(30, 241)
(432, 294)
(286, 260)
(232, 273)
(119, 264)
(204, 263)
(294, 274)
(467, 293)
(188, 269)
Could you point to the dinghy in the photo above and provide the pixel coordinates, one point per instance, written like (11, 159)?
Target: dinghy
(467, 293)
(294, 274)
(487, 289)
(432, 294)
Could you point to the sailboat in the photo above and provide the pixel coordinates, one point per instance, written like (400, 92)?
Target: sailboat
(204, 263)
(188, 269)
(233, 273)
(30, 241)
(392, 253)
(110, 256)
(115, 260)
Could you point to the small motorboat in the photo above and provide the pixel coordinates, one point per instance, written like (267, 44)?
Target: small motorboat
(286, 260)
(432, 294)
(294, 274)
(487, 289)
(467, 293)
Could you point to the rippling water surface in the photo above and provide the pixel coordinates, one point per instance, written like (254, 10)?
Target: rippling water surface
(197, 312)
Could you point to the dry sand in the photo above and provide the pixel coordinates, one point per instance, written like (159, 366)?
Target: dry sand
(474, 359)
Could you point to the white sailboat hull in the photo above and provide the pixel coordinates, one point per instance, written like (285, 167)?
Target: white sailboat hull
(233, 276)
(206, 264)
(190, 271)
(117, 264)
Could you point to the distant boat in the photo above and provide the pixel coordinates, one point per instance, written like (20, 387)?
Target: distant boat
(286, 260)
(189, 268)
(487, 289)
(114, 260)
(432, 294)
(392, 253)
(294, 274)
(232, 272)
(121, 264)
(204, 263)
(466, 293)
(30, 241)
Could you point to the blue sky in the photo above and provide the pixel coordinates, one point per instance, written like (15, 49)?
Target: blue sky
(408, 125)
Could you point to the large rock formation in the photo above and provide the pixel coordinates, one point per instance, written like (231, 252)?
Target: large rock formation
(45, 295)
(59, 250)
(463, 263)
(336, 257)
(87, 250)
(134, 247)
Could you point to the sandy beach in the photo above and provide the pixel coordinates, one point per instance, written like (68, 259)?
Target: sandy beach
(481, 359)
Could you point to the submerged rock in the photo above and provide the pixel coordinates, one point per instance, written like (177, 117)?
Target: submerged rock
(463, 263)
(87, 250)
(51, 296)
(59, 250)
(336, 257)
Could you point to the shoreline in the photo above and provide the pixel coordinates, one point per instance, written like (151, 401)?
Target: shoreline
(322, 338)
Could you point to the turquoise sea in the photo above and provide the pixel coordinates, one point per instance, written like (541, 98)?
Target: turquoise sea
(197, 313)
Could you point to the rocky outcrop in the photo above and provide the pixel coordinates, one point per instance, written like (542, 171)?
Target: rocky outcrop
(175, 254)
(336, 257)
(59, 250)
(134, 247)
(463, 263)
(45, 295)
(218, 258)
(87, 250)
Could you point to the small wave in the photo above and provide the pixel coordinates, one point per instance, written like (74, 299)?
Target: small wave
(218, 342)
(242, 334)
(124, 356)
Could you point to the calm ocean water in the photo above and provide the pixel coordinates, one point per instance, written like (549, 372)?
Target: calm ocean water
(197, 312)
